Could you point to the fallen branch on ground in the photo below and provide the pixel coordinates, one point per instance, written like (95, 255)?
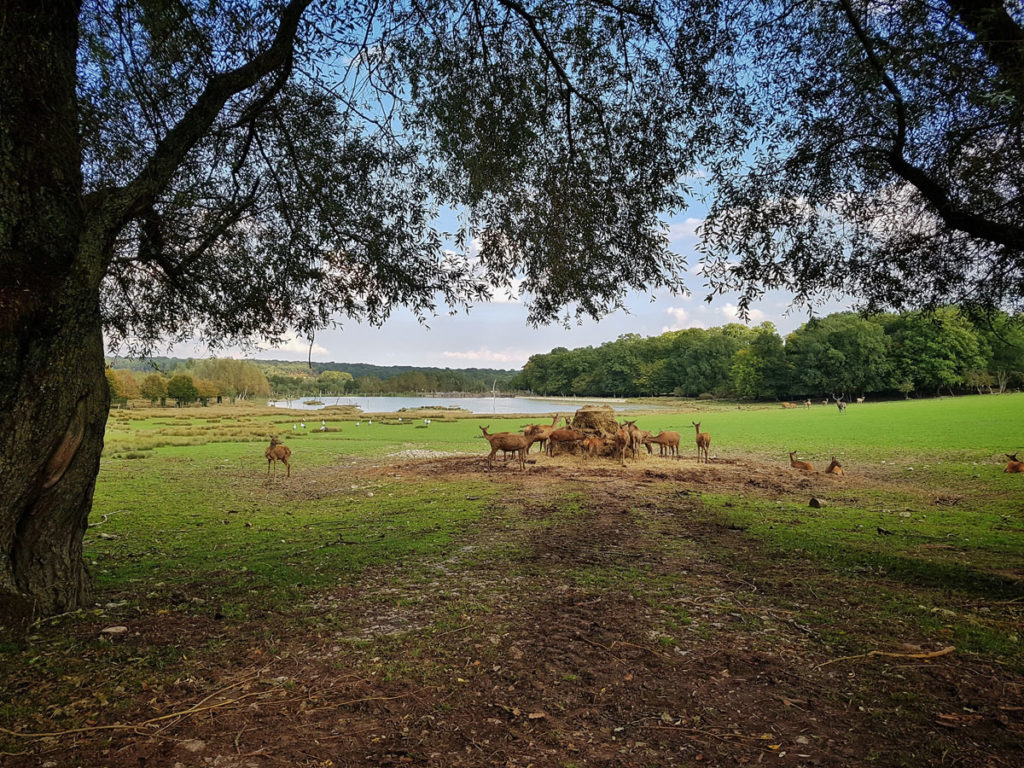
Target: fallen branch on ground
(924, 655)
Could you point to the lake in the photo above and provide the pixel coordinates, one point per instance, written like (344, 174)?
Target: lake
(471, 404)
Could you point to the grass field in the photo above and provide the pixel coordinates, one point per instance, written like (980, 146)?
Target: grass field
(393, 558)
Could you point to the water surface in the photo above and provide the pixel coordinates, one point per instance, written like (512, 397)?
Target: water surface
(472, 404)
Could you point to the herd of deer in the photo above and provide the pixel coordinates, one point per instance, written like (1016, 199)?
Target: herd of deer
(627, 437)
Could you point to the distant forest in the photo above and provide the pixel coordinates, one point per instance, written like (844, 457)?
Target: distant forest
(291, 379)
(840, 354)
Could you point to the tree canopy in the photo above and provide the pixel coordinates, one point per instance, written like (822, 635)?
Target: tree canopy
(841, 354)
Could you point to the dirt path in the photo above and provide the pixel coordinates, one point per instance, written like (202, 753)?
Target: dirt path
(600, 619)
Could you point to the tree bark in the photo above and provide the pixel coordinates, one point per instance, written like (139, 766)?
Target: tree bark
(53, 394)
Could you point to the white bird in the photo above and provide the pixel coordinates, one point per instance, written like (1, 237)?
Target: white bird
(358, 423)
(294, 426)
(427, 422)
(370, 422)
(302, 424)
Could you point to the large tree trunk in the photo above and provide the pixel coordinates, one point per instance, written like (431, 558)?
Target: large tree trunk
(53, 394)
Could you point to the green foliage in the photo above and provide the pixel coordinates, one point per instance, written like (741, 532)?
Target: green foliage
(153, 387)
(182, 388)
(234, 378)
(842, 353)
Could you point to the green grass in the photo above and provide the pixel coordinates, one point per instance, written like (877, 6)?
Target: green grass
(959, 430)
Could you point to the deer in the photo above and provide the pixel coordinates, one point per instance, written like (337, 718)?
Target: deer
(861, 399)
(567, 435)
(539, 433)
(507, 441)
(636, 438)
(665, 441)
(703, 442)
(592, 445)
(840, 403)
(788, 405)
(807, 403)
(621, 440)
(803, 466)
(1015, 466)
(835, 468)
(278, 451)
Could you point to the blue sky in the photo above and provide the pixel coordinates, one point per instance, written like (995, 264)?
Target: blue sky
(496, 334)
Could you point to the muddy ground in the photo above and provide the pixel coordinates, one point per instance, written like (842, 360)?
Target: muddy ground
(635, 631)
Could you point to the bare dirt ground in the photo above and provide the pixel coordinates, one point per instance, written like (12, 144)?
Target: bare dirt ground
(635, 631)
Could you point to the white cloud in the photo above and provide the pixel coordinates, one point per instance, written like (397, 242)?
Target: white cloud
(681, 230)
(508, 295)
(513, 358)
(731, 312)
(681, 319)
(299, 346)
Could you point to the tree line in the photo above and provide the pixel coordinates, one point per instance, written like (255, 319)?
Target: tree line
(189, 380)
(912, 353)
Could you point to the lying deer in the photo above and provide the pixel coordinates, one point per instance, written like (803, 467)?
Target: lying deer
(703, 442)
(508, 441)
(804, 466)
(835, 468)
(278, 451)
(1015, 465)
(788, 405)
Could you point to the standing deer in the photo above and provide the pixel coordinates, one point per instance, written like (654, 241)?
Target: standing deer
(860, 399)
(539, 433)
(840, 403)
(278, 451)
(835, 468)
(665, 441)
(1015, 464)
(807, 403)
(804, 466)
(507, 441)
(636, 438)
(703, 442)
(567, 435)
(621, 440)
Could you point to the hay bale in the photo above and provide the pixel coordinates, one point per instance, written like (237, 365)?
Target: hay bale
(596, 420)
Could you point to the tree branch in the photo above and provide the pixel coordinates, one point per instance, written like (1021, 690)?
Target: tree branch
(126, 203)
(1000, 36)
(937, 194)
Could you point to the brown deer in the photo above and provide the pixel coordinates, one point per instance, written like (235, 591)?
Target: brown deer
(568, 435)
(835, 468)
(860, 399)
(621, 440)
(703, 442)
(665, 441)
(592, 445)
(804, 466)
(636, 438)
(840, 402)
(539, 433)
(278, 451)
(1015, 465)
(807, 403)
(507, 441)
(788, 405)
